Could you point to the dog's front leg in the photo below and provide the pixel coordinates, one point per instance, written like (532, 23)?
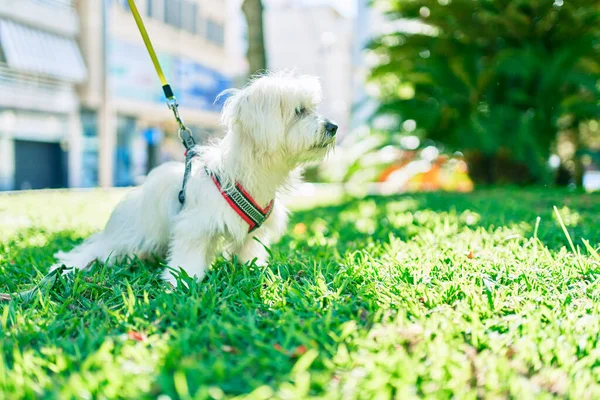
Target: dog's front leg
(256, 244)
(190, 249)
(253, 249)
(193, 255)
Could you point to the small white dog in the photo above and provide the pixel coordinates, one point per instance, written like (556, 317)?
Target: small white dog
(231, 198)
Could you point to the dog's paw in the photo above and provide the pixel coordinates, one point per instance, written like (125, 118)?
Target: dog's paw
(169, 278)
(260, 262)
(57, 266)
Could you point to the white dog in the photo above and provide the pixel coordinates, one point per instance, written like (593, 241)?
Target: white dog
(272, 128)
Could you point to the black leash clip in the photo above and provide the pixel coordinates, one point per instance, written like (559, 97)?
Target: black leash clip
(185, 134)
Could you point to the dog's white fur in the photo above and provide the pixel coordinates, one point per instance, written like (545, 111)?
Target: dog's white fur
(272, 128)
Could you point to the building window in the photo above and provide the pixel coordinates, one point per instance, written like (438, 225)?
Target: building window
(215, 32)
(123, 3)
(156, 9)
(89, 122)
(123, 173)
(189, 16)
(181, 14)
(173, 13)
(58, 3)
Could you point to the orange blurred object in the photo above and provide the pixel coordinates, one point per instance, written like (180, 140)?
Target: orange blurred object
(300, 229)
(445, 173)
(388, 171)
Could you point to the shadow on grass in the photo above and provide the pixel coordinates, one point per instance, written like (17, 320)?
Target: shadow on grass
(245, 327)
(30, 251)
(218, 329)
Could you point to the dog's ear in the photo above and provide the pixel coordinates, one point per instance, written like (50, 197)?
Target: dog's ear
(249, 114)
(230, 106)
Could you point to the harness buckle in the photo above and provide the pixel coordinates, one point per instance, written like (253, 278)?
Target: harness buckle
(185, 134)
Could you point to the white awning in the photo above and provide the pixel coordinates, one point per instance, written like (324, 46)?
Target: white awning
(32, 50)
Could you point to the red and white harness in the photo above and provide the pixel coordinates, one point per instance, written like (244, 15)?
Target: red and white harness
(237, 197)
(243, 204)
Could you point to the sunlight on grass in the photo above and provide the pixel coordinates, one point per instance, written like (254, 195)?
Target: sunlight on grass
(427, 295)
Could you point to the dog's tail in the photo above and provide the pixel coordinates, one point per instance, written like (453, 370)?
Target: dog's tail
(92, 249)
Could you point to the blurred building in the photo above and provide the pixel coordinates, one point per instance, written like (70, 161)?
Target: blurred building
(80, 102)
(314, 39)
(40, 64)
(127, 127)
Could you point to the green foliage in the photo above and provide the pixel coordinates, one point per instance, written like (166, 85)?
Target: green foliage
(491, 76)
(421, 296)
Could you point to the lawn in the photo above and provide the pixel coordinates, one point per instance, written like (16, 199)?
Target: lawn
(429, 295)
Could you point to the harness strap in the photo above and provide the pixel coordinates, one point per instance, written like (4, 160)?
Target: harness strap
(243, 204)
(189, 154)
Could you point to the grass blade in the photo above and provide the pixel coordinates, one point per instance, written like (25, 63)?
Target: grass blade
(591, 250)
(566, 232)
(27, 295)
(537, 227)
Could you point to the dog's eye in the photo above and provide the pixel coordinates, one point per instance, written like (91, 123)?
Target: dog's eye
(300, 111)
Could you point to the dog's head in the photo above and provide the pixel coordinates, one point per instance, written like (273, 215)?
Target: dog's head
(277, 115)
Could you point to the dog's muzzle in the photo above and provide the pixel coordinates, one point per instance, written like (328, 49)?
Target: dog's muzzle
(330, 129)
(328, 135)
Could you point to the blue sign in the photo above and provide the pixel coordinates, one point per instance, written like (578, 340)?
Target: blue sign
(198, 86)
(132, 76)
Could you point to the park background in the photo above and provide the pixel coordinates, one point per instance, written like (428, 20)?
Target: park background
(429, 95)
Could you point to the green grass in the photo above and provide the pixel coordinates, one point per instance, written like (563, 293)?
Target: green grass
(429, 295)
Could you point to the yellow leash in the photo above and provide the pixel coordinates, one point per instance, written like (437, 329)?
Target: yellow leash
(184, 133)
(150, 48)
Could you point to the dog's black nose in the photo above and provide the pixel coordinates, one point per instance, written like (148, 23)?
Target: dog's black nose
(331, 128)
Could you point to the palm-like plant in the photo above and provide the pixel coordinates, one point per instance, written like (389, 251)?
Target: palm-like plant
(492, 77)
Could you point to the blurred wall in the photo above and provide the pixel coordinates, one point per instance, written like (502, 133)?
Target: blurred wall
(79, 97)
(40, 65)
(135, 129)
(315, 40)
(370, 22)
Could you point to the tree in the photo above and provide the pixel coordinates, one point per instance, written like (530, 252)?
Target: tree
(491, 77)
(257, 58)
